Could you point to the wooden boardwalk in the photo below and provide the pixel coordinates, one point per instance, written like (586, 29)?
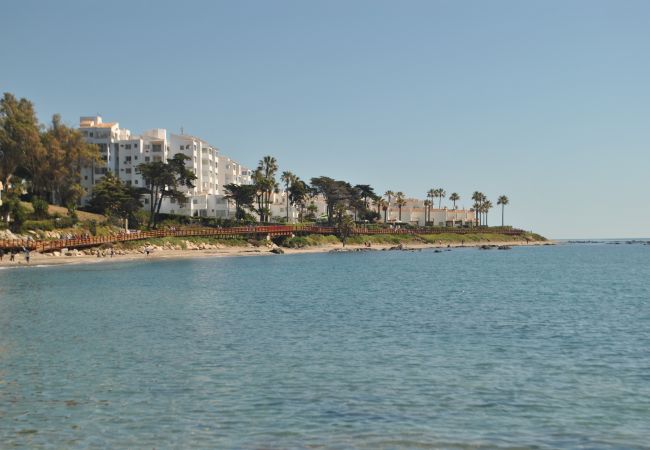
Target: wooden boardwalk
(242, 232)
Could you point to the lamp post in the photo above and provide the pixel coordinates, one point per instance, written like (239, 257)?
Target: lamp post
(260, 202)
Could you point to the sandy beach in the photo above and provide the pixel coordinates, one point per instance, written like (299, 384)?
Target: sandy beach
(49, 259)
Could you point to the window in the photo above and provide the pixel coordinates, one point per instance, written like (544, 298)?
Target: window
(85, 177)
(128, 182)
(136, 157)
(146, 201)
(127, 159)
(195, 201)
(182, 147)
(146, 159)
(156, 147)
(127, 146)
(91, 134)
(135, 145)
(136, 181)
(128, 170)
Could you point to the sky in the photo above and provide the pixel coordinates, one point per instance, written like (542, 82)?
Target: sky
(547, 102)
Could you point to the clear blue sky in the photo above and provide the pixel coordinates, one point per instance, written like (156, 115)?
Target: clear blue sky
(547, 102)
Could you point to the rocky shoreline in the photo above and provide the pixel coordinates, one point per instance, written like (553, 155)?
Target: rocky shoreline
(203, 250)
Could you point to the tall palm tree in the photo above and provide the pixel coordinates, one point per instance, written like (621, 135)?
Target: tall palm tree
(431, 194)
(400, 201)
(503, 201)
(440, 194)
(454, 197)
(376, 201)
(486, 206)
(477, 197)
(427, 207)
(389, 196)
(384, 207)
(265, 181)
(287, 178)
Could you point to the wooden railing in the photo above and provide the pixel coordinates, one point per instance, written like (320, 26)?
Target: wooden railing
(257, 231)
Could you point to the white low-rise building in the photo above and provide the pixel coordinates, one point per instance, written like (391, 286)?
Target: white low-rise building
(414, 212)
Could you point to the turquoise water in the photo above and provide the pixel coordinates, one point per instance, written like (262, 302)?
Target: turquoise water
(530, 348)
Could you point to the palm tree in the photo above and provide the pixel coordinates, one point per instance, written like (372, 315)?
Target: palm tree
(440, 194)
(389, 196)
(431, 193)
(477, 197)
(400, 201)
(454, 197)
(486, 206)
(376, 202)
(427, 207)
(384, 207)
(503, 201)
(287, 178)
(264, 177)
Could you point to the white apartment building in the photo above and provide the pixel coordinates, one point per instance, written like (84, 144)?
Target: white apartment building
(122, 152)
(230, 172)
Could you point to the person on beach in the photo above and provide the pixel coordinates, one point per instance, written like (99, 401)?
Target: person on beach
(27, 255)
(12, 256)
(2, 254)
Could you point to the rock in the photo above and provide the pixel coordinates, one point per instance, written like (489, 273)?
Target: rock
(277, 251)
(56, 253)
(486, 247)
(6, 234)
(504, 247)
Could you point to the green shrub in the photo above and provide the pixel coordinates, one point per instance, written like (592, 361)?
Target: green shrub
(310, 241)
(92, 227)
(46, 225)
(40, 207)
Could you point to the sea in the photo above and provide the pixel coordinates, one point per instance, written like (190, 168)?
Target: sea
(530, 348)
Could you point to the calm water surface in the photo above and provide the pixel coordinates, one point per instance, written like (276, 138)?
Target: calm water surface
(530, 348)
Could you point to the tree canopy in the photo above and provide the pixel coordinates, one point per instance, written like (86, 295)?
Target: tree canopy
(166, 180)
